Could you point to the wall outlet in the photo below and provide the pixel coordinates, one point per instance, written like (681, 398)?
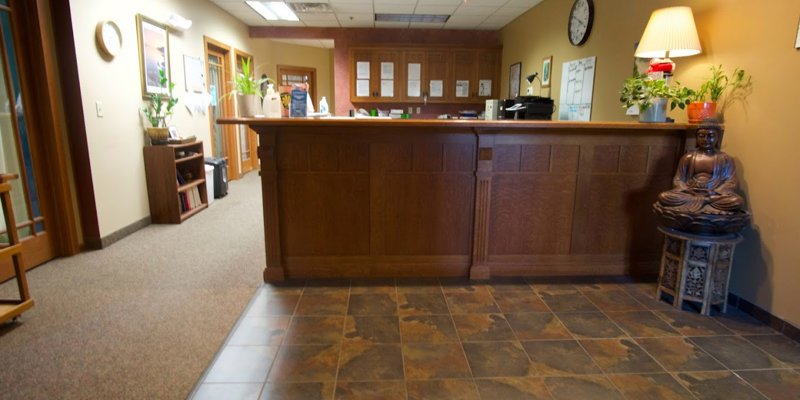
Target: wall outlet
(529, 91)
(98, 106)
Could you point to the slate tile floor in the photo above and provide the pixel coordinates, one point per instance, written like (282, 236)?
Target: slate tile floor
(503, 339)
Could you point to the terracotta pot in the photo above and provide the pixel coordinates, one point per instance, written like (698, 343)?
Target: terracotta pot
(158, 134)
(249, 105)
(700, 110)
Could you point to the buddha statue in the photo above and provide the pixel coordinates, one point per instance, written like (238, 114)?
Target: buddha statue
(703, 198)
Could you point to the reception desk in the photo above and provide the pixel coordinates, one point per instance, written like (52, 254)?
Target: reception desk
(415, 198)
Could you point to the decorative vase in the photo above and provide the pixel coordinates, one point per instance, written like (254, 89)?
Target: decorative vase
(249, 105)
(158, 135)
(697, 111)
(657, 112)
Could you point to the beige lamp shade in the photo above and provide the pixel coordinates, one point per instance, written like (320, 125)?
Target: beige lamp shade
(671, 32)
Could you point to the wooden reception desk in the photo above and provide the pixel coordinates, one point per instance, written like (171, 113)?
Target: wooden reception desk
(402, 198)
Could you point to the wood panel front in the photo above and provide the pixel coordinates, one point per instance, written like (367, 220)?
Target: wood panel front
(349, 198)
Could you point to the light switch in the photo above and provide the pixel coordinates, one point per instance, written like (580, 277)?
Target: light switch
(98, 105)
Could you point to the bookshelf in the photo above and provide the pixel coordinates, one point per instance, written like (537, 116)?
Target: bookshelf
(176, 184)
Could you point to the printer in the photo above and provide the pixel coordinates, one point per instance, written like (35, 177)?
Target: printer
(528, 107)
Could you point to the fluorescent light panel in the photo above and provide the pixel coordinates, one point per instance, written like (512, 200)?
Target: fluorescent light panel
(412, 17)
(273, 10)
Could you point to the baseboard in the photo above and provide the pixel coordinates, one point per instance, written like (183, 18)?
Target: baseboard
(118, 235)
(764, 316)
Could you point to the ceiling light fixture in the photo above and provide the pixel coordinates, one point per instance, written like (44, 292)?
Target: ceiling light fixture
(273, 10)
(433, 18)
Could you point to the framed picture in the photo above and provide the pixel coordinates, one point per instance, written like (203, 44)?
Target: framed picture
(153, 54)
(513, 79)
(547, 71)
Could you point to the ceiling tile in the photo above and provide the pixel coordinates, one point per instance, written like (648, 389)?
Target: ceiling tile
(356, 20)
(523, 3)
(434, 9)
(352, 7)
(386, 24)
(426, 25)
(475, 10)
(485, 3)
(317, 17)
(398, 2)
(511, 11)
(442, 2)
(394, 8)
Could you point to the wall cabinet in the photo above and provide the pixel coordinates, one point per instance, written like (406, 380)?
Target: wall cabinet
(425, 74)
(375, 75)
(176, 184)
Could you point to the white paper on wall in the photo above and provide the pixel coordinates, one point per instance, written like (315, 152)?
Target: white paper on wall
(414, 71)
(387, 70)
(387, 88)
(362, 88)
(462, 88)
(414, 88)
(485, 87)
(362, 70)
(437, 88)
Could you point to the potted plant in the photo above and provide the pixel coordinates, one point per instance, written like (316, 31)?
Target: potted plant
(649, 95)
(159, 108)
(705, 102)
(248, 91)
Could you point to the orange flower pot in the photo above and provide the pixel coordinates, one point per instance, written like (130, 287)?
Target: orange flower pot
(699, 110)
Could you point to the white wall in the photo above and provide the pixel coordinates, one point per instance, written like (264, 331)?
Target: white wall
(115, 141)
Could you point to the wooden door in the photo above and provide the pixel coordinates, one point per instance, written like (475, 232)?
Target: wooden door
(362, 81)
(437, 72)
(223, 137)
(289, 75)
(248, 140)
(411, 87)
(21, 146)
(386, 75)
(488, 73)
(464, 83)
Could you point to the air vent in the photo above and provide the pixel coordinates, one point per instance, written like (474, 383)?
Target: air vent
(311, 8)
(433, 18)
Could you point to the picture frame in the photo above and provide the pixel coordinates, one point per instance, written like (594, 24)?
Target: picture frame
(547, 71)
(514, 73)
(153, 39)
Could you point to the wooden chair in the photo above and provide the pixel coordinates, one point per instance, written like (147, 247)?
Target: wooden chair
(13, 308)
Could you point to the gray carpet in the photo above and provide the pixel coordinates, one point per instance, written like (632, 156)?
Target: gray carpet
(143, 318)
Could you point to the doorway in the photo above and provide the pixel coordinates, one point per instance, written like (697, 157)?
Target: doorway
(223, 137)
(289, 75)
(248, 139)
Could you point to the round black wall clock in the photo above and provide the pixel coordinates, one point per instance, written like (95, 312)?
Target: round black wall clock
(580, 21)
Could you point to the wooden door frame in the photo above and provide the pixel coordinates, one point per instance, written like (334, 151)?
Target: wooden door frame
(250, 135)
(226, 102)
(312, 70)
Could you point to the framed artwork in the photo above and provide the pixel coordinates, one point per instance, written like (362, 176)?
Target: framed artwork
(153, 54)
(547, 71)
(513, 79)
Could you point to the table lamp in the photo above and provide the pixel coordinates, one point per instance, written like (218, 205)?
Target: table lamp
(671, 32)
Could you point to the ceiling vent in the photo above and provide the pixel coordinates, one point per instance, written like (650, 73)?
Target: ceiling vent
(311, 8)
(433, 18)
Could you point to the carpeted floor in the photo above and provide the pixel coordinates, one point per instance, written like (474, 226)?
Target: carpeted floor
(143, 318)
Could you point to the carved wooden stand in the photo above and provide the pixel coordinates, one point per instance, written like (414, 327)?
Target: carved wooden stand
(696, 268)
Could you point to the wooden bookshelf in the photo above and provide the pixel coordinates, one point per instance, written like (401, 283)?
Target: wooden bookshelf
(176, 184)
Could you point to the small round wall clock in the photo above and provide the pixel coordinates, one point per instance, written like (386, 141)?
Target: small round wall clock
(580, 21)
(109, 38)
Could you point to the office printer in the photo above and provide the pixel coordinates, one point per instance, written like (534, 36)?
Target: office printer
(528, 107)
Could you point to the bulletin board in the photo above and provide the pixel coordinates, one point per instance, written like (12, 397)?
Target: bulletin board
(577, 84)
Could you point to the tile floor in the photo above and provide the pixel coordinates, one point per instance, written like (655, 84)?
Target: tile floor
(503, 339)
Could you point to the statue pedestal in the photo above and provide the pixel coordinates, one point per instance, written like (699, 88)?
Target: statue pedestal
(696, 268)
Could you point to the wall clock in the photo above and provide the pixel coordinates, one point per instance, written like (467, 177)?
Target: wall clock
(580, 21)
(109, 38)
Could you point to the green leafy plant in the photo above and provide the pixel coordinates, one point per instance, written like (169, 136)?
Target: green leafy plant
(160, 105)
(245, 83)
(738, 85)
(640, 90)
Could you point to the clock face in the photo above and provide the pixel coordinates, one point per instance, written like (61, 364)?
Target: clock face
(580, 21)
(109, 38)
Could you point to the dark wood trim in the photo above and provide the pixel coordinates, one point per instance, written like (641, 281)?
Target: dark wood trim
(71, 103)
(225, 101)
(269, 201)
(120, 234)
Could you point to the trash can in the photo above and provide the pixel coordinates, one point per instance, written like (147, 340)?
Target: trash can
(210, 183)
(220, 175)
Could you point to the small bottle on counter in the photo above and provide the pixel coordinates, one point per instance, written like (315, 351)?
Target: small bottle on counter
(272, 103)
(323, 106)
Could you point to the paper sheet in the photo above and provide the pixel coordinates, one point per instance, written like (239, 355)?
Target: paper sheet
(413, 88)
(437, 88)
(362, 70)
(387, 88)
(462, 88)
(362, 88)
(414, 71)
(387, 70)
(485, 87)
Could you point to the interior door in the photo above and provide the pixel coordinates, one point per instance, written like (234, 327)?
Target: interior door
(223, 137)
(18, 156)
(248, 138)
(288, 75)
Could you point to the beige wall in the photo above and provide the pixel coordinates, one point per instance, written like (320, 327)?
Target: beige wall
(115, 141)
(302, 56)
(763, 138)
